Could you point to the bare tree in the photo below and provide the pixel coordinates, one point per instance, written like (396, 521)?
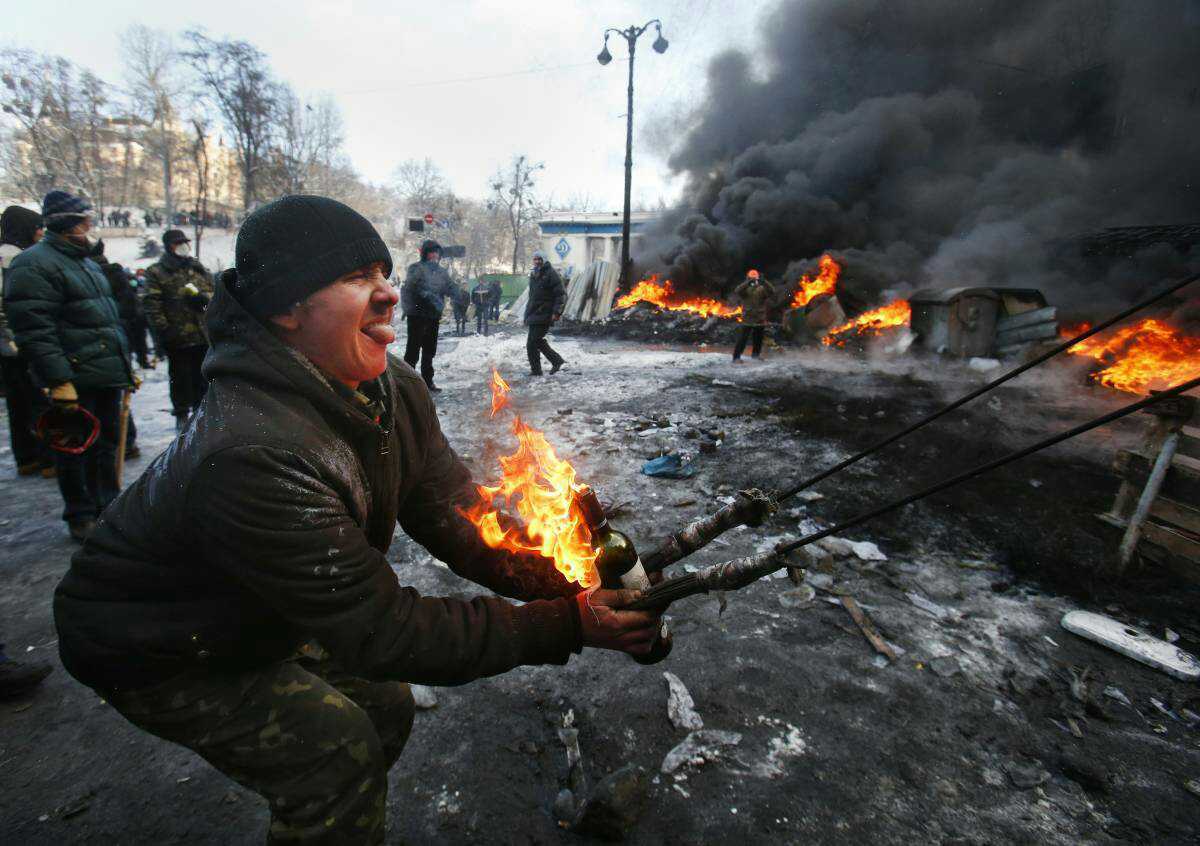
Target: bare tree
(61, 132)
(311, 136)
(155, 87)
(200, 162)
(513, 192)
(235, 76)
(421, 185)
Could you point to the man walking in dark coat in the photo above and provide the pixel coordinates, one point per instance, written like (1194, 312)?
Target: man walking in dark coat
(237, 599)
(481, 298)
(423, 299)
(178, 289)
(20, 229)
(543, 309)
(64, 318)
(755, 294)
(461, 302)
(497, 292)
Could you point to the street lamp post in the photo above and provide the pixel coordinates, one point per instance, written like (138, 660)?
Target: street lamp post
(631, 36)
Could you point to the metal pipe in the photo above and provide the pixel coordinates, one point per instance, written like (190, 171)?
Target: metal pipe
(1133, 533)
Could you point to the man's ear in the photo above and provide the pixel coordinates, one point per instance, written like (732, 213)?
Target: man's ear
(289, 321)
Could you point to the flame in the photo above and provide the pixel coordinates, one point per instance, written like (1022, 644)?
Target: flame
(897, 313)
(1148, 354)
(541, 488)
(662, 294)
(500, 392)
(825, 283)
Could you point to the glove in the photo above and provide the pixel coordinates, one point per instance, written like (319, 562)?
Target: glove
(12, 347)
(64, 395)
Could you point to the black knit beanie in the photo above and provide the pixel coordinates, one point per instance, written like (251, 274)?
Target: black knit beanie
(18, 225)
(429, 246)
(297, 245)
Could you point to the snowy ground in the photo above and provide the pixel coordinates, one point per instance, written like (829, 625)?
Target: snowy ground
(970, 736)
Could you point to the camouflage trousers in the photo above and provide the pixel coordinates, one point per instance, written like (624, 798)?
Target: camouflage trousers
(317, 743)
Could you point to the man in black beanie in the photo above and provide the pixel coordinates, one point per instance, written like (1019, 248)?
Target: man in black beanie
(178, 289)
(237, 600)
(422, 299)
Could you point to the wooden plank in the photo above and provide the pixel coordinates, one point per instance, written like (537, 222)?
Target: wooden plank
(867, 628)
(1189, 442)
(1182, 483)
(1177, 514)
(1025, 334)
(1177, 543)
(1184, 461)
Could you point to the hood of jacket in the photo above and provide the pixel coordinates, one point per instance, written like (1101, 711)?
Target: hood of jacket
(18, 226)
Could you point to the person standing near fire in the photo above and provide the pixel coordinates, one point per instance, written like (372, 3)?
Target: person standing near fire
(178, 289)
(423, 299)
(481, 299)
(238, 600)
(542, 310)
(755, 294)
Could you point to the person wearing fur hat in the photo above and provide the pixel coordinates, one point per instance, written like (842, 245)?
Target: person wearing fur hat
(422, 299)
(238, 600)
(67, 323)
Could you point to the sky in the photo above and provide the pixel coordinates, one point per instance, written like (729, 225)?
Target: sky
(467, 83)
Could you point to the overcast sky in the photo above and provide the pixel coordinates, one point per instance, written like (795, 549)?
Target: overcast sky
(468, 83)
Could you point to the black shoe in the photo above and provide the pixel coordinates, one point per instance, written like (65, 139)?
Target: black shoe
(29, 468)
(81, 529)
(434, 389)
(535, 373)
(132, 451)
(558, 365)
(19, 677)
(737, 360)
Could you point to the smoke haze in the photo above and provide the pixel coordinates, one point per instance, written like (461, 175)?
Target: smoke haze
(943, 143)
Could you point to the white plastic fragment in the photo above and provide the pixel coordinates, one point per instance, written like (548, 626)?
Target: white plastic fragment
(699, 748)
(867, 551)
(425, 697)
(928, 606)
(1133, 643)
(681, 708)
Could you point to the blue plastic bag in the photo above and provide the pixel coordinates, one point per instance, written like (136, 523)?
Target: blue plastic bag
(669, 467)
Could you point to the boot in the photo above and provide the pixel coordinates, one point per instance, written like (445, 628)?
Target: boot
(28, 468)
(19, 677)
(557, 366)
(81, 529)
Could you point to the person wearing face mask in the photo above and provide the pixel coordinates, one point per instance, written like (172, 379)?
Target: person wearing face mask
(66, 322)
(177, 292)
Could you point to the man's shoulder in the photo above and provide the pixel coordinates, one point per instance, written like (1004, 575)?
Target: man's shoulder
(40, 254)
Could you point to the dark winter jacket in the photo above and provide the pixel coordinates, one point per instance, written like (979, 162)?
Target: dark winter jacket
(64, 318)
(425, 289)
(266, 523)
(496, 290)
(175, 315)
(546, 296)
(18, 226)
(129, 307)
(481, 296)
(461, 301)
(755, 297)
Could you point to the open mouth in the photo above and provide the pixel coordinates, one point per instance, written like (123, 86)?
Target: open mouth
(381, 333)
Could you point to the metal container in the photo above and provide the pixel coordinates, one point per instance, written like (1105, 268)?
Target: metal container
(956, 321)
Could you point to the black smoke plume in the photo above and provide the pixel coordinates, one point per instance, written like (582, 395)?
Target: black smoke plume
(943, 143)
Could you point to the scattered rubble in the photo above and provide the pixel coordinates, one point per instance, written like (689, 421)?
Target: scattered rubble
(424, 697)
(681, 708)
(699, 748)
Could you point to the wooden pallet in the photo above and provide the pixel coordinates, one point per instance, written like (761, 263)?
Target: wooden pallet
(1157, 509)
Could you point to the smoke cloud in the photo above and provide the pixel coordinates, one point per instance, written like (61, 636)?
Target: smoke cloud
(943, 143)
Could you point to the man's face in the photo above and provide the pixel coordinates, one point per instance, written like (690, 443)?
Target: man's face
(433, 256)
(345, 327)
(537, 262)
(37, 235)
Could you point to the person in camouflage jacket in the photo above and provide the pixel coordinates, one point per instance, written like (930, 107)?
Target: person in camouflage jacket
(178, 289)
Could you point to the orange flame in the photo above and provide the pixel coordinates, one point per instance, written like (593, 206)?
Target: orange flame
(897, 313)
(1148, 354)
(500, 392)
(541, 489)
(662, 294)
(825, 282)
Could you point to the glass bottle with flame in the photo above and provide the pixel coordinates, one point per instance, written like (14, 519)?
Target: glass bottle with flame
(618, 564)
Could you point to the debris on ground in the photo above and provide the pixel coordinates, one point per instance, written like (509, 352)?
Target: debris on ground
(1133, 643)
(699, 748)
(681, 708)
(424, 697)
(867, 627)
(669, 467)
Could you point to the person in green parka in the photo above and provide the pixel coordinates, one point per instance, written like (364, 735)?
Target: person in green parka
(65, 320)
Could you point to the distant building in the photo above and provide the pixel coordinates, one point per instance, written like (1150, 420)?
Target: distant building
(573, 240)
